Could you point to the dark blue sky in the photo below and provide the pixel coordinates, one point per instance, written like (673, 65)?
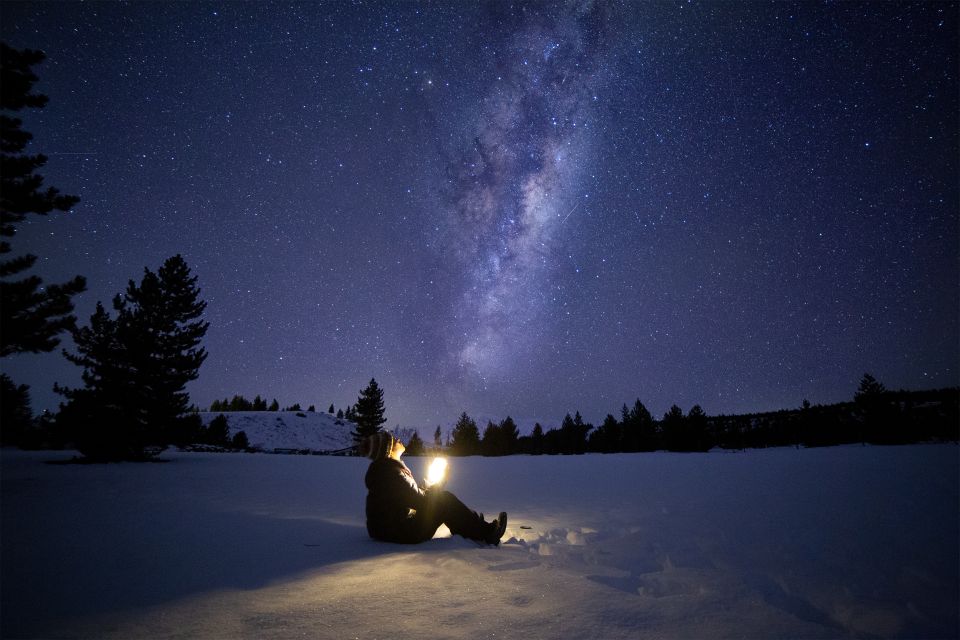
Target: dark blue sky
(520, 210)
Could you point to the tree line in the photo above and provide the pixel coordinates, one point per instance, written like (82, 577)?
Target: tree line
(875, 416)
(240, 403)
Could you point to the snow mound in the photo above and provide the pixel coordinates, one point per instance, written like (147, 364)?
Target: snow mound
(270, 431)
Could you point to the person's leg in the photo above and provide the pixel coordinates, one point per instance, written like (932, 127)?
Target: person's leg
(445, 508)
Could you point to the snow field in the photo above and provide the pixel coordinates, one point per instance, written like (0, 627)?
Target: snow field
(821, 543)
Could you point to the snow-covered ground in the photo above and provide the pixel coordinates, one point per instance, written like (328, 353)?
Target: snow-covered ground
(270, 430)
(822, 543)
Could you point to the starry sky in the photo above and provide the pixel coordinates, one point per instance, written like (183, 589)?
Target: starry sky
(522, 209)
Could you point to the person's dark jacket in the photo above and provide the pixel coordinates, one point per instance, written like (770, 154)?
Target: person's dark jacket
(393, 497)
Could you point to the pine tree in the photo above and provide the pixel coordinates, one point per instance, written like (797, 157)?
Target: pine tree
(607, 438)
(32, 315)
(490, 442)
(15, 414)
(697, 438)
(674, 426)
(274, 406)
(415, 446)
(438, 439)
(240, 441)
(536, 439)
(330, 410)
(874, 410)
(218, 431)
(465, 437)
(136, 365)
(500, 439)
(369, 411)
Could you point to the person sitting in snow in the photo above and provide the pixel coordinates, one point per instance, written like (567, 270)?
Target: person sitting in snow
(399, 510)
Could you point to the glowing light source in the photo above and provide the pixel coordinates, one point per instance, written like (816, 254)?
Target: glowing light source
(437, 471)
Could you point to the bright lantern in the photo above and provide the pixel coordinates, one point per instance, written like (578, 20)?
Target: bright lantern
(438, 469)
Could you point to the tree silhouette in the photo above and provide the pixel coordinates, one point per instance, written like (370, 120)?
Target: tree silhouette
(465, 437)
(136, 366)
(696, 436)
(369, 411)
(218, 431)
(606, 438)
(15, 414)
(32, 315)
(415, 446)
(536, 439)
(509, 434)
(673, 426)
(874, 412)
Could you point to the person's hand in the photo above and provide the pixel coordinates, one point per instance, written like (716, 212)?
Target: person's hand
(431, 487)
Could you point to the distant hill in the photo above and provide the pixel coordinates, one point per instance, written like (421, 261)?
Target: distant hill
(290, 430)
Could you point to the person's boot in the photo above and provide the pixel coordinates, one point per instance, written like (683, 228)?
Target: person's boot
(497, 528)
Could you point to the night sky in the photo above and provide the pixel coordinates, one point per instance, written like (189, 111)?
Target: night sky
(521, 209)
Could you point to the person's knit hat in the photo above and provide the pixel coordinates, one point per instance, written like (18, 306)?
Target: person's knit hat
(378, 446)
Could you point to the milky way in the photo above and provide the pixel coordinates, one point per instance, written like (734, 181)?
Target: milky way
(519, 180)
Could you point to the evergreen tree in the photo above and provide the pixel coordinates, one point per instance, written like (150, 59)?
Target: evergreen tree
(369, 411)
(607, 438)
(239, 403)
(240, 441)
(673, 426)
(640, 432)
(274, 406)
(16, 417)
(509, 434)
(165, 330)
(869, 389)
(340, 414)
(875, 412)
(330, 410)
(32, 315)
(259, 404)
(136, 365)
(572, 436)
(218, 431)
(438, 439)
(490, 442)
(536, 439)
(697, 436)
(465, 437)
(415, 446)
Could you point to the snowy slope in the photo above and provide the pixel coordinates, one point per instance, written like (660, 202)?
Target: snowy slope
(270, 430)
(819, 543)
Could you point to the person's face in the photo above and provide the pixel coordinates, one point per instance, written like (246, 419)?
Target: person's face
(398, 449)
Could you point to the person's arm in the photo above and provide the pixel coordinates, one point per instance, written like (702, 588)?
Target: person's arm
(413, 495)
(393, 482)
